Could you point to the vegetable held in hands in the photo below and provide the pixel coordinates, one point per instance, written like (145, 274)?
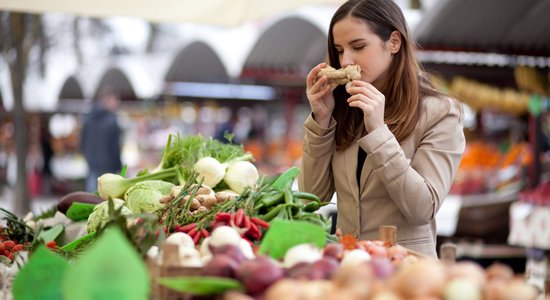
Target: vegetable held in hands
(341, 76)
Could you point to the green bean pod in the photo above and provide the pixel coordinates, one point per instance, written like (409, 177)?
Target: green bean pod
(306, 196)
(272, 198)
(274, 212)
(312, 206)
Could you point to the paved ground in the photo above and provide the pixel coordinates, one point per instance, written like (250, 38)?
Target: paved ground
(38, 204)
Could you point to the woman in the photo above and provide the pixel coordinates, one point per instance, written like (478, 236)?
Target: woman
(389, 145)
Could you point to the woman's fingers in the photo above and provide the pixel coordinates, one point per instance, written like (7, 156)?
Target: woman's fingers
(366, 104)
(366, 108)
(320, 88)
(366, 88)
(312, 76)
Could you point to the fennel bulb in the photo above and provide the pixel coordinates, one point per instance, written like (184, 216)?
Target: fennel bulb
(111, 185)
(240, 175)
(212, 171)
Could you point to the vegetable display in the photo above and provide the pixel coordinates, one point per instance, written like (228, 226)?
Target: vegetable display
(205, 222)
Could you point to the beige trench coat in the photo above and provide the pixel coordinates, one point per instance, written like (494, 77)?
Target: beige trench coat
(401, 184)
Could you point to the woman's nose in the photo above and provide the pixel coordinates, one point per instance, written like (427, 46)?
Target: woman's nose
(346, 60)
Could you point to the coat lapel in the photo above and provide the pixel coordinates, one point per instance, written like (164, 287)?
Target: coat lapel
(365, 175)
(350, 157)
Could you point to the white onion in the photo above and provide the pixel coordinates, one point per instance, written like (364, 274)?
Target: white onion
(308, 253)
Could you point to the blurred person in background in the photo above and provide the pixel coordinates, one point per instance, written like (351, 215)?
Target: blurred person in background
(100, 138)
(228, 128)
(390, 144)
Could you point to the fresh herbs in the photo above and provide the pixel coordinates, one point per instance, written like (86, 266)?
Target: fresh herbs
(16, 229)
(185, 151)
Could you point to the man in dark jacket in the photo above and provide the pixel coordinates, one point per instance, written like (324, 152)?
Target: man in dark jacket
(100, 138)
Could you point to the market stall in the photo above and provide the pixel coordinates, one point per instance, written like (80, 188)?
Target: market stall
(207, 224)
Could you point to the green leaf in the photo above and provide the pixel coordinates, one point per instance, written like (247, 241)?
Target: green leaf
(288, 176)
(76, 243)
(41, 277)
(79, 211)
(283, 235)
(200, 285)
(51, 234)
(110, 270)
(123, 170)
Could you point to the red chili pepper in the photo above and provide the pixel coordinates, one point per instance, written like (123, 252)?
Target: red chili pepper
(192, 232)
(239, 217)
(196, 237)
(17, 247)
(205, 232)
(222, 216)
(187, 228)
(246, 222)
(51, 244)
(254, 233)
(260, 222)
(177, 227)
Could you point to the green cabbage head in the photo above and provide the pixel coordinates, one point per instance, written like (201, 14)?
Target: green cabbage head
(100, 214)
(144, 197)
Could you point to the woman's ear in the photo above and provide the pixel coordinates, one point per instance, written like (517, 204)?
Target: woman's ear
(395, 42)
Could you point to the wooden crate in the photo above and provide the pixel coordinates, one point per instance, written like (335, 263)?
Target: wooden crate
(168, 268)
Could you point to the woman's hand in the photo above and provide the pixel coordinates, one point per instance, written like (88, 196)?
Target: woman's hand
(367, 98)
(319, 95)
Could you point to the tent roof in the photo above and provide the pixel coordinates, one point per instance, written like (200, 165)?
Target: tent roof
(501, 26)
(214, 12)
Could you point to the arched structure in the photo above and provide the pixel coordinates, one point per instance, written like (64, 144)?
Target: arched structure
(285, 52)
(197, 62)
(119, 81)
(71, 89)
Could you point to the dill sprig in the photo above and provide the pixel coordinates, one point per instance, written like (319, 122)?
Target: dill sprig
(185, 151)
(16, 229)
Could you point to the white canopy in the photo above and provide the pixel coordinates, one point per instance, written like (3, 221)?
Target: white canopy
(215, 12)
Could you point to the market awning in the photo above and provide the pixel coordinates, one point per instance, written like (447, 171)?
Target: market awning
(215, 12)
(286, 52)
(501, 26)
(197, 62)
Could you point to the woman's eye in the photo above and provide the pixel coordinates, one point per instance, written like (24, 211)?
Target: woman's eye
(358, 47)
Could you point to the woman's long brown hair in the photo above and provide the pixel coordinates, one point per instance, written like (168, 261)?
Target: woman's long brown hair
(406, 85)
